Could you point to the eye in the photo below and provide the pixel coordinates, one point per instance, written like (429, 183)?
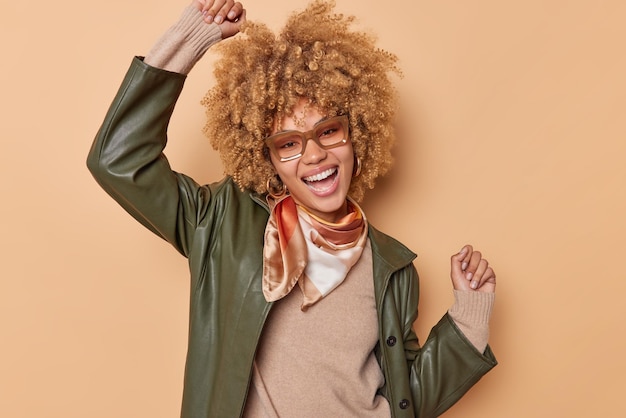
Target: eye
(287, 144)
(328, 132)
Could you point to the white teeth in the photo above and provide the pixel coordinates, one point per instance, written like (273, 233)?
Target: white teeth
(321, 176)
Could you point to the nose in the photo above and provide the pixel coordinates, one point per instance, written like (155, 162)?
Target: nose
(313, 153)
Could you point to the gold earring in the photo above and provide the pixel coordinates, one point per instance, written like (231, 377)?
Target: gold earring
(274, 191)
(357, 170)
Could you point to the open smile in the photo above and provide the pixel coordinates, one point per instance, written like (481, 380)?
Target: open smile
(324, 182)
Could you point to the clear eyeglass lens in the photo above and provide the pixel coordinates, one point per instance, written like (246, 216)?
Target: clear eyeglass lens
(330, 132)
(288, 145)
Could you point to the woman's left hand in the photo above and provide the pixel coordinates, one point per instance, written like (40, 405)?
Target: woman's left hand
(470, 271)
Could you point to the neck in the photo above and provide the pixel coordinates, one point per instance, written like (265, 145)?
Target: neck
(330, 218)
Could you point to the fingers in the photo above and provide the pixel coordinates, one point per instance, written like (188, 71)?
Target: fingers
(482, 275)
(459, 260)
(235, 12)
(475, 261)
(229, 28)
(458, 264)
(219, 11)
(466, 253)
(469, 270)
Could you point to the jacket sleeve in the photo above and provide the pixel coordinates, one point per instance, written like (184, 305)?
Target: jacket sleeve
(126, 157)
(446, 366)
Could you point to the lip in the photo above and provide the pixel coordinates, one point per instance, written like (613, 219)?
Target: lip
(319, 170)
(322, 192)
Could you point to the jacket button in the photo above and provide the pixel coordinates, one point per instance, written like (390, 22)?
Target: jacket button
(391, 341)
(404, 404)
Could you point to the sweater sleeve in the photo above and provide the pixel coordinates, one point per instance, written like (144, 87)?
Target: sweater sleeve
(471, 312)
(184, 43)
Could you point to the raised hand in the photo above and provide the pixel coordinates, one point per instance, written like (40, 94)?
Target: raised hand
(228, 14)
(470, 271)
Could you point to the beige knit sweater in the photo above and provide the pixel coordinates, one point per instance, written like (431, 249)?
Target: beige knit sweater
(321, 362)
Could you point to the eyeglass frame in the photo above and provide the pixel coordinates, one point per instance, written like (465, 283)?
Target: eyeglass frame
(309, 135)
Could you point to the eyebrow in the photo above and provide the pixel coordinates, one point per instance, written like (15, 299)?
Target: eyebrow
(323, 119)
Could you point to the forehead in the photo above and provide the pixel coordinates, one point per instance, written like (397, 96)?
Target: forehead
(303, 117)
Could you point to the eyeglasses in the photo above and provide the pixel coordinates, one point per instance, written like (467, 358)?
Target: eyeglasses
(327, 134)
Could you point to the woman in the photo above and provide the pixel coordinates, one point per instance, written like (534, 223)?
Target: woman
(298, 306)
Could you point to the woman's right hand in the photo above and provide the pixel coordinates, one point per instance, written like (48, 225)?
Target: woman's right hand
(228, 14)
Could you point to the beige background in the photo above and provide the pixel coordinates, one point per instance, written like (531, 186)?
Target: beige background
(514, 140)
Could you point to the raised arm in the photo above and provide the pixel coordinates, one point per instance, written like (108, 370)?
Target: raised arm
(126, 157)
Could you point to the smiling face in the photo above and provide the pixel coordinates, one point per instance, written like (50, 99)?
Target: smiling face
(318, 180)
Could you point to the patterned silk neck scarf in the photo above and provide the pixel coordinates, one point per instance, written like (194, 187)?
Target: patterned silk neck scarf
(302, 248)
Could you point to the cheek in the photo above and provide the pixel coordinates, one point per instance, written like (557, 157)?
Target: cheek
(278, 165)
(274, 162)
(348, 158)
(286, 170)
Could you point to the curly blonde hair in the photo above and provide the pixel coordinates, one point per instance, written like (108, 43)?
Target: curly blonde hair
(261, 76)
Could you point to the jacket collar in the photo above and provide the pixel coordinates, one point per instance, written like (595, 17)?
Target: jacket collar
(261, 200)
(388, 257)
(390, 251)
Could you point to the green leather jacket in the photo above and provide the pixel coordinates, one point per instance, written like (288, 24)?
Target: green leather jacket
(220, 230)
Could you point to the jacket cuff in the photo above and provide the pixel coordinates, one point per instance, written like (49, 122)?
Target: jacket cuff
(461, 365)
(184, 43)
